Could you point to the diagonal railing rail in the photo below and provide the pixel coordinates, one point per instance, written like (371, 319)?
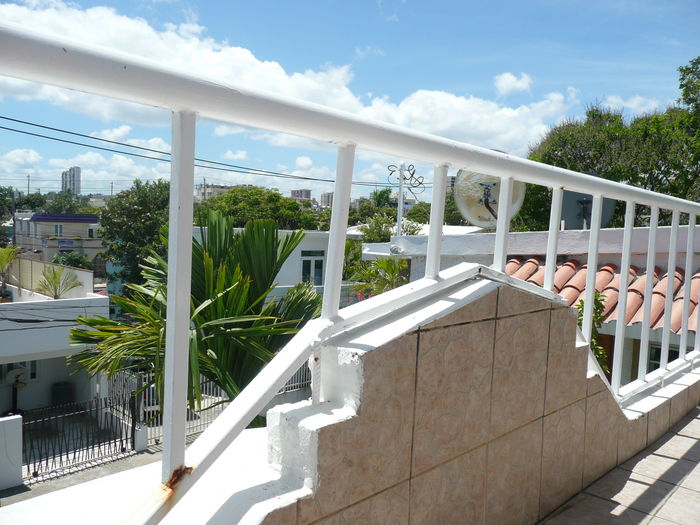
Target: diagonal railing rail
(71, 64)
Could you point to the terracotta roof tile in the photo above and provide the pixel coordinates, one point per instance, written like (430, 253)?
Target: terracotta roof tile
(565, 272)
(570, 282)
(678, 276)
(611, 292)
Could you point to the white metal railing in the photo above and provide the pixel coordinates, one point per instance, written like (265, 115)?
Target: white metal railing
(71, 64)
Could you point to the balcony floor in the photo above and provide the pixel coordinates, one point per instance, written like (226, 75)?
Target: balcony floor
(659, 486)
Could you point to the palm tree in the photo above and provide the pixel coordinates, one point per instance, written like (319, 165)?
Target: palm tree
(380, 275)
(7, 255)
(234, 328)
(56, 282)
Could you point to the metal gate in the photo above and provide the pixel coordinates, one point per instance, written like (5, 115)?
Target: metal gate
(62, 438)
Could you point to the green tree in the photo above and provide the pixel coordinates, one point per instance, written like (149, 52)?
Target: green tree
(73, 259)
(131, 224)
(254, 202)
(57, 281)
(380, 275)
(453, 217)
(5, 202)
(66, 202)
(7, 255)
(234, 329)
(689, 84)
(381, 227)
(381, 198)
(419, 213)
(33, 201)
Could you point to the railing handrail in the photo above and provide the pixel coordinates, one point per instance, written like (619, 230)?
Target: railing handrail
(71, 64)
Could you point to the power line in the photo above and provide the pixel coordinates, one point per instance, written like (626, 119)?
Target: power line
(217, 165)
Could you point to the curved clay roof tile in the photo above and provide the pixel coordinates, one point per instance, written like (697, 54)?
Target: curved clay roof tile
(528, 269)
(565, 272)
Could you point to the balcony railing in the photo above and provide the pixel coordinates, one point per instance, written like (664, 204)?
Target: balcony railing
(71, 64)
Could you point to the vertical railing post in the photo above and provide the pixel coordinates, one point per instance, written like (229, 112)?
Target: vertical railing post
(621, 325)
(689, 260)
(336, 252)
(589, 301)
(648, 291)
(550, 265)
(338, 230)
(179, 277)
(500, 251)
(671, 278)
(400, 201)
(437, 217)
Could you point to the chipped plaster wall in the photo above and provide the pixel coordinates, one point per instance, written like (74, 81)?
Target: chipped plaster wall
(487, 415)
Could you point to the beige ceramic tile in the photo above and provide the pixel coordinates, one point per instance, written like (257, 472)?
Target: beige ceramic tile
(512, 301)
(683, 507)
(477, 310)
(282, 516)
(595, 385)
(513, 474)
(689, 427)
(659, 421)
(679, 447)
(675, 471)
(562, 455)
(632, 490)
(633, 436)
(453, 392)
(452, 493)
(589, 510)
(603, 420)
(679, 406)
(519, 371)
(566, 364)
(371, 452)
(390, 506)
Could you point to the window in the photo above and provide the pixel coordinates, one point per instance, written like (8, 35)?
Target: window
(312, 266)
(58, 229)
(6, 368)
(655, 356)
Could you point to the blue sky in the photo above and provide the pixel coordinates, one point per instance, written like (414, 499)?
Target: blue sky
(495, 74)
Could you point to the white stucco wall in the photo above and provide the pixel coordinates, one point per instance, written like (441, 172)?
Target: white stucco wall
(10, 451)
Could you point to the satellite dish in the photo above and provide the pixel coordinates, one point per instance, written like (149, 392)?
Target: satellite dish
(19, 374)
(476, 197)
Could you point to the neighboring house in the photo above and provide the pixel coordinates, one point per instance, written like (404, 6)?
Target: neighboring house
(526, 262)
(34, 331)
(47, 234)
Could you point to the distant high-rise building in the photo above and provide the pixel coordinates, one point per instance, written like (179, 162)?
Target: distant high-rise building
(327, 200)
(70, 180)
(301, 195)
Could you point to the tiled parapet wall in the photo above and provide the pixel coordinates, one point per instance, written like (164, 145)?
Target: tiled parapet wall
(487, 415)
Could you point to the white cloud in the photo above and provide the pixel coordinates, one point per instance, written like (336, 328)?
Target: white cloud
(236, 155)
(188, 48)
(635, 104)
(364, 52)
(507, 82)
(471, 119)
(121, 134)
(19, 159)
(303, 163)
(223, 130)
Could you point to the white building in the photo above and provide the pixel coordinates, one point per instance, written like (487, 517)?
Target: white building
(34, 331)
(327, 200)
(70, 180)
